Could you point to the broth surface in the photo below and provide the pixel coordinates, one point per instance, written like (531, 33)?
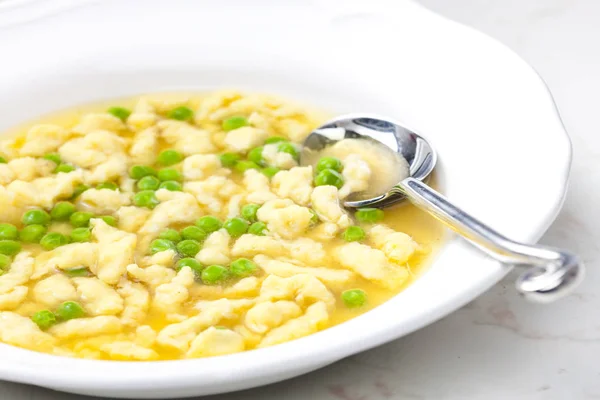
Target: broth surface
(139, 303)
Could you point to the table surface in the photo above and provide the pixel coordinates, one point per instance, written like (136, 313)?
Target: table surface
(498, 346)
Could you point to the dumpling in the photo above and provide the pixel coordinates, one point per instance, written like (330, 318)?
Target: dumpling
(285, 218)
(116, 249)
(295, 184)
(371, 264)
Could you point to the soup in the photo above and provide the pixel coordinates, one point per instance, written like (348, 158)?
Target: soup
(182, 226)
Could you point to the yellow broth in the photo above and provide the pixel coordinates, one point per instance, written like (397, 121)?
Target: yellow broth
(145, 343)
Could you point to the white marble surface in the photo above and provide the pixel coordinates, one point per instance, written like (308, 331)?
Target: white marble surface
(497, 347)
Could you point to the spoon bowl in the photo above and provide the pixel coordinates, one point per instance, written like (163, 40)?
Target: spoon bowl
(413, 148)
(550, 274)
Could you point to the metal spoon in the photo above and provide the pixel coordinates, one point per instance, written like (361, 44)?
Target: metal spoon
(550, 273)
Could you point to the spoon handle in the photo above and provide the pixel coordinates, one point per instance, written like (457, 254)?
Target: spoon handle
(552, 273)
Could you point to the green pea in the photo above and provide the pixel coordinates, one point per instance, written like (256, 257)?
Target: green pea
(232, 123)
(32, 233)
(148, 183)
(354, 234)
(52, 240)
(242, 267)
(4, 263)
(145, 198)
(188, 247)
(171, 235)
(8, 231)
(209, 223)
(62, 211)
(107, 185)
(354, 298)
(194, 233)
(109, 219)
(214, 274)
(249, 212)
(171, 185)
(229, 159)
(244, 165)
(329, 163)
(270, 172)
(290, 148)
(38, 217)
(64, 168)
(329, 177)
(369, 215)
(189, 262)
(77, 272)
(169, 157)
(255, 155)
(9, 247)
(181, 113)
(159, 245)
(258, 228)
(44, 319)
(69, 310)
(140, 171)
(2, 160)
(169, 174)
(80, 218)
(192, 263)
(275, 139)
(81, 235)
(236, 227)
(78, 190)
(119, 112)
(54, 157)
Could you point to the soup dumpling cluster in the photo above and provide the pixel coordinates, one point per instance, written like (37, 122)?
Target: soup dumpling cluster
(184, 228)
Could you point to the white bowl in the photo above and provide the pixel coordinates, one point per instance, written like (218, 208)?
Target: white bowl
(504, 154)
